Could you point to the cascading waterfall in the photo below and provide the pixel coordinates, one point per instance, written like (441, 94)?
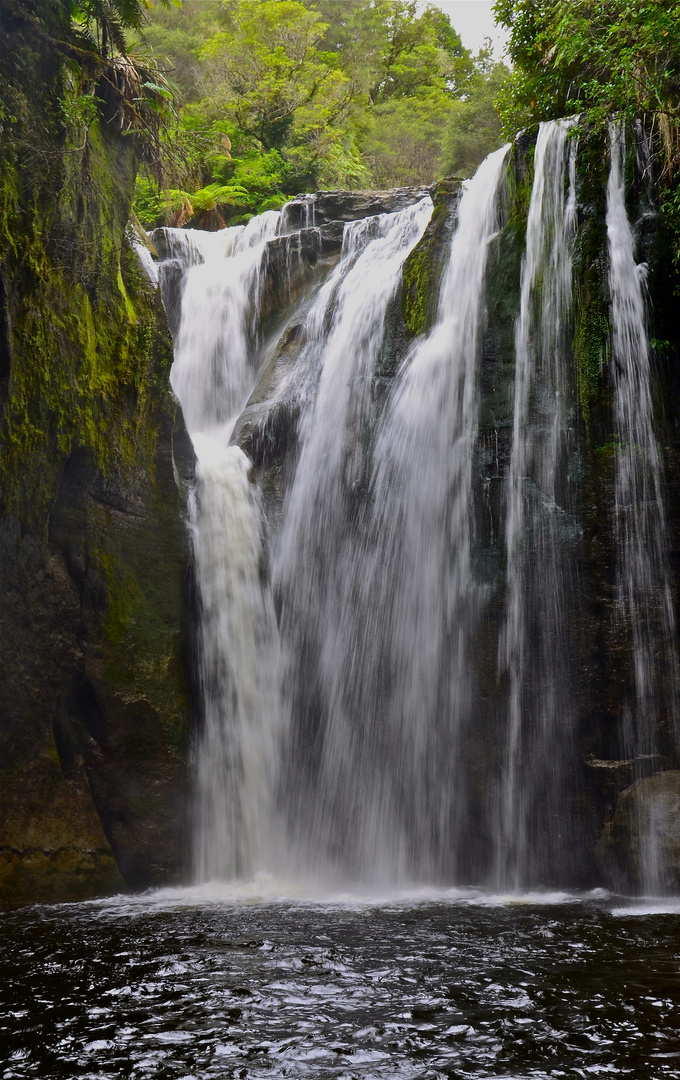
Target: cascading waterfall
(238, 753)
(212, 376)
(319, 568)
(377, 598)
(644, 597)
(213, 370)
(423, 597)
(532, 823)
(350, 639)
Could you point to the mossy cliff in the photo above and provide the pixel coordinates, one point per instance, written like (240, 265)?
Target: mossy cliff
(93, 546)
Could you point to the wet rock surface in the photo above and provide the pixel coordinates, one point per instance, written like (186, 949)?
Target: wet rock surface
(94, 553)
(644, 825)
(329, 206)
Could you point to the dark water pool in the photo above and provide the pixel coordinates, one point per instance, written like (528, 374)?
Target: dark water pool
(191, 985)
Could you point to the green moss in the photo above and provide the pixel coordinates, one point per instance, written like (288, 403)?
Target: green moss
(424, 266)
(591, 352)
(591, 289)
(86, 404)
(142, 633)
(418, 287)
(65, 874)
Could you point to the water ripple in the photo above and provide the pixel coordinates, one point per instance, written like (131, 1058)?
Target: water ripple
(167, 986)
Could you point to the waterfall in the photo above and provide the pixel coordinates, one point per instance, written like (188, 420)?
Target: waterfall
(373, 573)
(532, 823)
(320, 566)
(213, 373)
(644, 600)
(378, 709)
(238, 752)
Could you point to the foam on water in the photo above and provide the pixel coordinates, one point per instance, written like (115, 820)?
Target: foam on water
(265, 890)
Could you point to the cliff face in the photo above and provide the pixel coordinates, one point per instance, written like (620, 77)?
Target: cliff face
(94, 552)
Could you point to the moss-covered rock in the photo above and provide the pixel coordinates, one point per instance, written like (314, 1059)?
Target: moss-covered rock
(424, 267)
(94, 552)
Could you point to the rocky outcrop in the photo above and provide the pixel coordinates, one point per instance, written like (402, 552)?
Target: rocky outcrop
(644, 825)
(94, 553)
(427, 262)
(325, 207)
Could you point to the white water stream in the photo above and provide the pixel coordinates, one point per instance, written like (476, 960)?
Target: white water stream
(212, 376)
(377, 604)
(645, 603)
(533, 644)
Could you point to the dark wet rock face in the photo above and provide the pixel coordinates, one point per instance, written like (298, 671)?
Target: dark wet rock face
(94, 694)
(94, 552)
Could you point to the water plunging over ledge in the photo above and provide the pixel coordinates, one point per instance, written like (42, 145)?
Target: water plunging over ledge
(380, 710)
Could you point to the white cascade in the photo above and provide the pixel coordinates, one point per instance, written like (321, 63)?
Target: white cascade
(350, 647)
(212, 376)
(239, 753)
(644, 600)
(373, 570)
(533, 648)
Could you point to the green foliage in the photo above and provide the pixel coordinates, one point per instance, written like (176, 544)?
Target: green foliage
(214, 195)
(79, 110)
(474, 125)
(670, 211)
(178, 33)
(591, 354)
(103, 25)
(265, 70)
(406, 135)
(207, 205)
(599, 56)
(390, 49)
(424, 266)
(104, 72)
(284, 96)
(148, 202)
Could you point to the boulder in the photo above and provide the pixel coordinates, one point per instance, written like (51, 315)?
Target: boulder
(643, 833)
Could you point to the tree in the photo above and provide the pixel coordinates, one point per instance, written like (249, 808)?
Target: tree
(404, 139)
(599, 58)
(286, 95)
(474, 126)
(407, 66)
(389, 48)
(177, 34)
(595, 56)
(265, 72)
(104, 24)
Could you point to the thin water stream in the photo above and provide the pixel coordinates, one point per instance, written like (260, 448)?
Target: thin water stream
(533, 819)
(644, 594)
(376, 593)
